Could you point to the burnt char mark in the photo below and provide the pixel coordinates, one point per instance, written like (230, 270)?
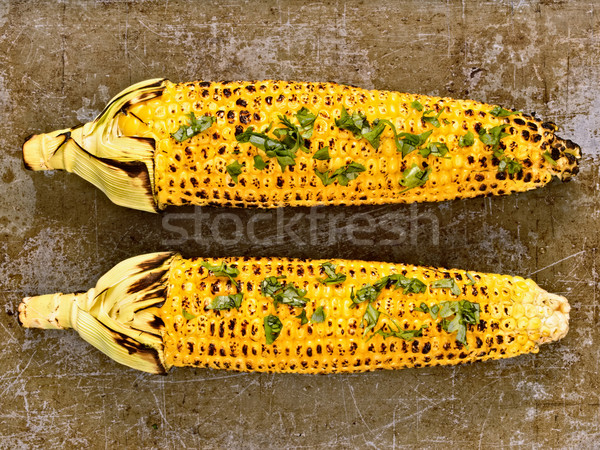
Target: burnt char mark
(134, 347)
(155, 93)
(147, 281)
(156, 261)
(157, 323)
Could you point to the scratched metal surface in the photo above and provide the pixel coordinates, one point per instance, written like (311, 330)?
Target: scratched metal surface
(59, 65)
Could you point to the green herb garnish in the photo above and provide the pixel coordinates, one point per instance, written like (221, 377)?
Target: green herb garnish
(292, 296)
(434, 119)
(332, 277)
(493, 136)
(464, 312)
(360, 127)
(408, 142)
(318, 316)
(306, 119)
(302, 317)
(322, 154)
(226, 302)
(366, 293)
(222, 270)
(273, 327)
(186, 315)
(467, 140)
(548, 157)
(438, 149)
(343, 175)
(287, 141)
(397, 281)
(270, 286)
(259, 162)
(414, 177)
(416, 104)
(471, 279)
(369, 319)
(196, 126)
(501, 112)
(407, 335)
(446, 283)
(509, 165)
(234, 170)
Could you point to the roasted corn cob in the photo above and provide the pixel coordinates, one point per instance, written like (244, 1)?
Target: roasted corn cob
(276, 143)
(159, 310)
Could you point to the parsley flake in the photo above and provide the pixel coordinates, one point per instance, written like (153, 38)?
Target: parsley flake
(414, 177)
(259, 163)
(196, 126)
(187, 315)
(433, 119)
(318, 316)
(501, 112)
(222, 302)
(548, 157)
(302, 317)
(322, 154)
(343, 175)
(273, 327)
(222, 270)
(332, 277)
(467, 140)
(234, 170)
(416, 104)
(446, 283)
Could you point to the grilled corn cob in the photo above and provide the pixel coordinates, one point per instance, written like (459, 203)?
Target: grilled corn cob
(276, 143)
(156, 311)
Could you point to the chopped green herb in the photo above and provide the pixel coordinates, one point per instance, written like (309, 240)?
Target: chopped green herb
(467, 140)
(222, 270)
(464, 312)
(322, 154)
(196, 126)
(509, 165)
(438, 149)
(259, 162)
(471, 279)
(408, 142)
(374, 135)
(234, 170)
(397, 281)
(186, 315)
(493, 136)
(360, 127)
(318, 316)
(324, 177)
(270, 286)
(365, 293)
(332, 277)
(356, 123)
(548, 157)
(414, 177)
(343, 175)
(501, 112)
(288, 139)
(226, 302)
(446, 283)
(434, 119)
(306, 119)
(416, 104)
(407, 335)
(302, 317)
(291, 295)
(273, 327)
(369, 319)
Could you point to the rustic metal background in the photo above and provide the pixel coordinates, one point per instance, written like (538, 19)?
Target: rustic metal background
(61, 62)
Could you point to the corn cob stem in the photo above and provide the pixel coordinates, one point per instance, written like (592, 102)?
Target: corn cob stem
(158, 144)
(156, 311)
